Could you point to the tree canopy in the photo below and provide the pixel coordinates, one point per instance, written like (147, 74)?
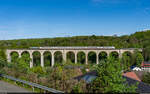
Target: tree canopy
(110, 78)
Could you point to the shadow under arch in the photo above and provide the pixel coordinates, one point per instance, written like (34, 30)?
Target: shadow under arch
(36, 58)
(127, 53)
(71, 56)
(47, 58)
(126, 60)
(81, 57)
(26, 56)
(102, 56)
(92, 57)
(58, 57)
(14, 56)
(114, 54)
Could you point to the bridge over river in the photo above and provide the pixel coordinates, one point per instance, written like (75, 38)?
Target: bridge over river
(64, 50)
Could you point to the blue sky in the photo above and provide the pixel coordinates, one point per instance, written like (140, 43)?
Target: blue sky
(61, 18)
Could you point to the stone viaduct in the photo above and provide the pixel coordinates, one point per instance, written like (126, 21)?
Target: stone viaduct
(65, 50)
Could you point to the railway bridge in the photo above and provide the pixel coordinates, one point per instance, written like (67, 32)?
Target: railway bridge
(64, 50)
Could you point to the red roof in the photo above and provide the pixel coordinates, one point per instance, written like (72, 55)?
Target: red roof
(131, 75)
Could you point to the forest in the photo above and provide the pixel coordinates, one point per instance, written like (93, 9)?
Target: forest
(136, 40)
(59, 76)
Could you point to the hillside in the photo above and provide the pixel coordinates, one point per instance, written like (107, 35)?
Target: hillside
(138, 39)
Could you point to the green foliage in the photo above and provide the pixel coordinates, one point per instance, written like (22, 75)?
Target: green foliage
(77, 89)
(126, 61)
(103, 56)
(36, 58)
(92, 58)
(81, 58)
(38, 70)
(14, 57)
(137, 58)
(3, 63)
(58, 77)
(146, 52)
(2, 54)
(26, 57)
(20, 64)
(47, 59)
(110, 78)
(80, 87)
(139, 39)
(146, 78)
(114, 55)
(58, 57)
(129, 60)
(70, 57)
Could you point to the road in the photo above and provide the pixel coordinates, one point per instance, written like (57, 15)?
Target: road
(7, 87)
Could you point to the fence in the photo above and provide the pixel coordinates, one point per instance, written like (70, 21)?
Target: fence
(33, 85)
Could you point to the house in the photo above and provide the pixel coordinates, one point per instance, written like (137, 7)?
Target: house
(132, 75)
(142, 87)
(145, 64)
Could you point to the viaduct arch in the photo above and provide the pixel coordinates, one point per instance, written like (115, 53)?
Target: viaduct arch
(65, 50)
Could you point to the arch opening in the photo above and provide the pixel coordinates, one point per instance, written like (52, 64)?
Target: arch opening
(127, 59)
(102, 56)
(14, 56)
(70, 57)
(47, 58)
(127, 53)
(58, 57)
(26, 56)
(81, 57)
(114, 55)
(36, 58)
(92, 57)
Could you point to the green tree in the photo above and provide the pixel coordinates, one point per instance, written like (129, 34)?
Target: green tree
(22, 64)
(146, 78)
(126, 61)
(81, 57)
(110, 78)
(2, 54)
(14, 57)
(146, 52)
(139, 59)
(3, 62)
(103, 56)
(80, 87)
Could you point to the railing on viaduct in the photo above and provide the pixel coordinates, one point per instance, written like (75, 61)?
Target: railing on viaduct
(65, 50)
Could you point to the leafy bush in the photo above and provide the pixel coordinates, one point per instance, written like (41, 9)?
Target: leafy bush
(110, 78)
(80, 87)
(38, 70)
(146, 78)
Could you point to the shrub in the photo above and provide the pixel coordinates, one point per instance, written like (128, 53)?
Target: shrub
(109, 78)
(146, 78)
